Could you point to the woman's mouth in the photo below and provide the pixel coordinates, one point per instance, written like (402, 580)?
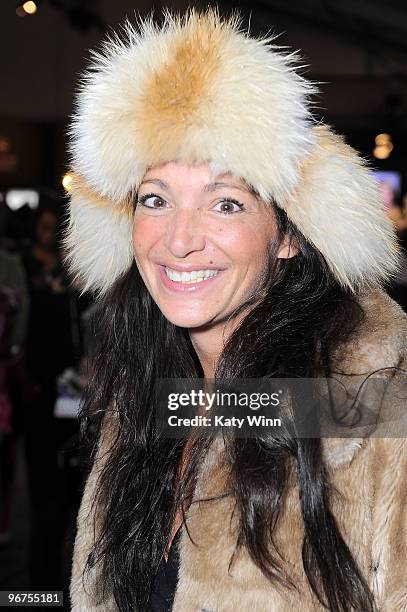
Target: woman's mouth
(187, 281)
(195, 276)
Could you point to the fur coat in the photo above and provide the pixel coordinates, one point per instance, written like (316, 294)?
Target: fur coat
(369, 477)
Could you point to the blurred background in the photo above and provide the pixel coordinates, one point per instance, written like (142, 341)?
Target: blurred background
(356, 49)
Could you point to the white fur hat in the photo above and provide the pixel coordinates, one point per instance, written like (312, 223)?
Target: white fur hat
(199, 90)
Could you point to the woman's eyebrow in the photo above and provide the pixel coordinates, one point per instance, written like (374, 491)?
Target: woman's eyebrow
(157, 182)
(213, 186)
(208, 188)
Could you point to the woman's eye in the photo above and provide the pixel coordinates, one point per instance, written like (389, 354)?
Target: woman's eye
(228, 206)
(151, 201)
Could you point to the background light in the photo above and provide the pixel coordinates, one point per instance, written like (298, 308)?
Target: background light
(67, 181)
(381, 153)
(384, 146)
(17, 198)
(30, 7)
(26, 8)
(382, 139)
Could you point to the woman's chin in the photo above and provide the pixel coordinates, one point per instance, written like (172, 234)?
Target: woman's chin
(188, 320)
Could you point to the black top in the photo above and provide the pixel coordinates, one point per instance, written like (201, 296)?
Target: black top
(165, 583)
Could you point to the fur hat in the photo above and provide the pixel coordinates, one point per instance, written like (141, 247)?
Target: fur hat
(199, 90)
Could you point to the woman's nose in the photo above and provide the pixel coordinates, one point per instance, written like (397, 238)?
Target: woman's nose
(184, 233)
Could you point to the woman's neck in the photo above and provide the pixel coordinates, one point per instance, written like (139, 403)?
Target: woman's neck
(209, 343)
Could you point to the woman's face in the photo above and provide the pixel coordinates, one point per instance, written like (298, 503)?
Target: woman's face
(200, 243)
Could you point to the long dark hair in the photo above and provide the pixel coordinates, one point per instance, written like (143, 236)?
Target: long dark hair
(294, 323)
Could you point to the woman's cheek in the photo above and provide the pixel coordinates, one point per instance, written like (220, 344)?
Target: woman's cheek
(141, 232)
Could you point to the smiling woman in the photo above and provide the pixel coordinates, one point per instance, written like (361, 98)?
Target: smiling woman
(229, 236)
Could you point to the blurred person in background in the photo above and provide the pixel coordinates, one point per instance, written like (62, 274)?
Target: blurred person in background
(8, 310)
(14, 315)
(50, 349)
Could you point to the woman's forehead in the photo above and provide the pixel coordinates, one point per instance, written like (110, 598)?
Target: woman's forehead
(174, 171)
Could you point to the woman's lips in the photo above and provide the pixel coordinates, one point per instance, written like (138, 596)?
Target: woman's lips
(182, 287)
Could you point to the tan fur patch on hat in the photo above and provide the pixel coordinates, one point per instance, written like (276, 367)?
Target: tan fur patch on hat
(172, 99)
(81, 189)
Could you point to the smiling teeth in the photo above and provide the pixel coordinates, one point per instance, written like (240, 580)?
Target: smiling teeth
(196, 276)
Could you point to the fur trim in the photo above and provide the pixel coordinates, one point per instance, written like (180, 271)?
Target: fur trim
(199, 90)
(337, 207)
(98, 239)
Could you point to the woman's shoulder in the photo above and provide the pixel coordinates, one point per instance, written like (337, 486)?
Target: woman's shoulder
(380, 309)
(372, 365)
(380, 339)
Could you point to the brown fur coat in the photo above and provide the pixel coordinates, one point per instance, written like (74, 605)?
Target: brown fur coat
(370, 506)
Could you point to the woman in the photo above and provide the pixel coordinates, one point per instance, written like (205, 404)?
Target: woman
(195, 156)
